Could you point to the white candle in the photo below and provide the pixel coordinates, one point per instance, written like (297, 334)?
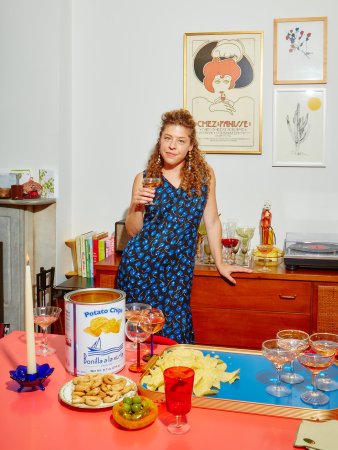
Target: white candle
(29, 322)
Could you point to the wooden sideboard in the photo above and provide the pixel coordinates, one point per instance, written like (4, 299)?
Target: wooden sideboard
(257, 307)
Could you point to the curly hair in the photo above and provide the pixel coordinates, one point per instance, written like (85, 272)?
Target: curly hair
(199, 173)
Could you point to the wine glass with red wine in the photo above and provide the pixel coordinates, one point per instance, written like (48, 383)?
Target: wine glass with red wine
(230, 240)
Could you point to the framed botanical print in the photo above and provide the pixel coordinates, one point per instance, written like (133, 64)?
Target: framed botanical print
(300, 50)
(299, 127)
(223, 90)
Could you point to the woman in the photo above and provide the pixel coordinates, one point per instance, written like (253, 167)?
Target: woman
(157, 264)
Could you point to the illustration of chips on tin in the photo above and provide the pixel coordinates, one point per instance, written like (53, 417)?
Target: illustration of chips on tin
(103, 324)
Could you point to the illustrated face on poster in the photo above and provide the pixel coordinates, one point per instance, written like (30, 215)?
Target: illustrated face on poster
(222, 91)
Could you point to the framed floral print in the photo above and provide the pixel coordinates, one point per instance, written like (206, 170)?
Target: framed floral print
(300, 50)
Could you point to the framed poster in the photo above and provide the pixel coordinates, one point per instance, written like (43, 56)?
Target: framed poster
(300, 50)
(223, 90)
(299, 127)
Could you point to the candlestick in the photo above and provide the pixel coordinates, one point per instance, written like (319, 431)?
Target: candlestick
(29, 322)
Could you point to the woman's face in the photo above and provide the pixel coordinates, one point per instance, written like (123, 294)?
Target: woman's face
(174, 145)
(221, 84)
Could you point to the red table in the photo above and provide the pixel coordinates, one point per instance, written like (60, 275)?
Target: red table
(38, 420)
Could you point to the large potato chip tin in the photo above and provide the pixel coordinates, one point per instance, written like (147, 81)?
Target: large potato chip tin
(95, 323)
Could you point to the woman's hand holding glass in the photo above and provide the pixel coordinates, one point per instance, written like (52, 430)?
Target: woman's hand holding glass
(149, 185)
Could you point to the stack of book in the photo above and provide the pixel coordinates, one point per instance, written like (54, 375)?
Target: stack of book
(92, 247)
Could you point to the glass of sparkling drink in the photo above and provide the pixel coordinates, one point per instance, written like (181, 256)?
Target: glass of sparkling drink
(157, 319)
(133, 310)
(278, 356)
(44, 316)
(326, 344)
(315, 362)
(297, 341)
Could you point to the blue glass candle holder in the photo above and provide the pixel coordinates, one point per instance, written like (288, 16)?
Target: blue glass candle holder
(25, 379)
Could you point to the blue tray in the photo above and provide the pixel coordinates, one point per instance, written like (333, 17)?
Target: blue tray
(248, 394)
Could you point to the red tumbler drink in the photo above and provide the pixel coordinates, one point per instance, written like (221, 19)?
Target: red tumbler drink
(178, 382)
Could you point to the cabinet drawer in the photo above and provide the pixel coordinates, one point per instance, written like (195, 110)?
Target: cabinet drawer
(252, 294)
(243, 329)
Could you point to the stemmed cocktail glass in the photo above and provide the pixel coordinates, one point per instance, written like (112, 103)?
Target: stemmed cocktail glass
(296, 341)
(325, 344)
(265, 249)
(152, 326)
(315, 362)
(137, 334)
(151, 183)
(278, 356)
(134, 310)
(44, 316)
(246, 234)
(178, 384)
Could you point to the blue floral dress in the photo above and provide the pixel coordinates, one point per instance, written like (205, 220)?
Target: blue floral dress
(157, 265)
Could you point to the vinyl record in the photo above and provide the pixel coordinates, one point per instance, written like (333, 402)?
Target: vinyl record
(314, 247)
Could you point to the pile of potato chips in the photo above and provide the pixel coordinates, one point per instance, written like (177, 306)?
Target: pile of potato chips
(99, 324)
(210, 371)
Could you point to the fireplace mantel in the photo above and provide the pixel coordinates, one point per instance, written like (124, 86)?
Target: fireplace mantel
(27, 228)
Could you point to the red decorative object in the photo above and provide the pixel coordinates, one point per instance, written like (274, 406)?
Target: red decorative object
(32, 189)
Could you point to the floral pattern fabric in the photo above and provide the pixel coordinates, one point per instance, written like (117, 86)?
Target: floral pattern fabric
(157, 265)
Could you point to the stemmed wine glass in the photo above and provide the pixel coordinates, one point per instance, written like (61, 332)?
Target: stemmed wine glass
(137, 334)
(155, 324)
(178, 385)
(207, 250)
(133, 310)
(315, 362)
(278, 356)
(45, 316)
(246, 234)
(229, 239)
(264, 249)
(325, 344)
(151, 183)
(296, 341)
(201, 232)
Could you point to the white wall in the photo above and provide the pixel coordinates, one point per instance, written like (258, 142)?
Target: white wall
(84, 87)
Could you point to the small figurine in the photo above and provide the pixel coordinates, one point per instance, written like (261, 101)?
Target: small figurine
(267, 233)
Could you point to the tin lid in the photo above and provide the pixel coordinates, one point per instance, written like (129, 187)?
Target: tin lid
(95, 296)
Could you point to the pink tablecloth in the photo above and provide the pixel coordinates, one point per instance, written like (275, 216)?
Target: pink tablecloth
(38, 420)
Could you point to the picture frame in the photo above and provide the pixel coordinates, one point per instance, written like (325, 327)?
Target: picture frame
(300, 50)
(223, 90)
(299, 127)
